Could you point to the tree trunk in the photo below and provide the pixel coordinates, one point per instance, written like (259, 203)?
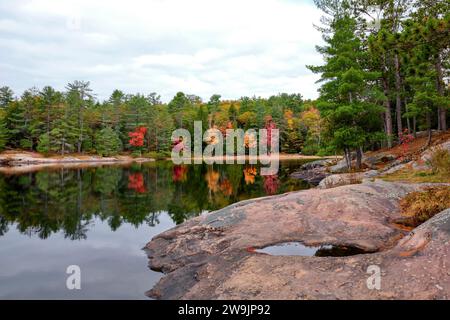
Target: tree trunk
(48, 121)
(80, 138)
(429, 128)
(398, 88)
(408, 119)
(156, 140)
(387, 113)
(439, 119)
(348, 158)
(359, 154)
(442, 112)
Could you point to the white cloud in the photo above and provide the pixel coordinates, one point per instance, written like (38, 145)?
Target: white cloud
(231, 47)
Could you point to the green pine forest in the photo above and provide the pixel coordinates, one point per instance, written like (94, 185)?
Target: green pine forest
(385, 74)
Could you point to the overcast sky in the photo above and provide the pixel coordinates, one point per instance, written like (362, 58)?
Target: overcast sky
(231, 47)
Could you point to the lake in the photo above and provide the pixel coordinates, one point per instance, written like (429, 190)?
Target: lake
(100, 219)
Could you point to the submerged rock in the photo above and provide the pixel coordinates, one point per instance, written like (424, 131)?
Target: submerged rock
(314, 172)
(213, 256)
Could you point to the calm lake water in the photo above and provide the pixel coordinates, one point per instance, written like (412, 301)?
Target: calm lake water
(101, 218)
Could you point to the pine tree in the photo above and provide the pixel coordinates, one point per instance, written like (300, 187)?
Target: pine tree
(160, 132)
(260, 114)
(3, 133)
(431, 31)
(177, 107)
(137, 108)
(50, 99)
(425, 39)
(107, 142)
(64, 136)
(16, 124)
(79, 98)
(6, 96)
(345, 97)
(44, 144)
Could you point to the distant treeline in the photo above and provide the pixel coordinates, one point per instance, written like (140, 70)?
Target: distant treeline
(386, 76)
(49, 121)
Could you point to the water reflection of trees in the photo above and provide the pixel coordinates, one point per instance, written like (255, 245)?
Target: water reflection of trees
(65, 200)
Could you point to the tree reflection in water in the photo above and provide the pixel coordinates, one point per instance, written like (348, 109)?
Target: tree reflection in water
(67, 200)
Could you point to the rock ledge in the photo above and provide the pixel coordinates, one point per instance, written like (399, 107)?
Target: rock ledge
(212, 256)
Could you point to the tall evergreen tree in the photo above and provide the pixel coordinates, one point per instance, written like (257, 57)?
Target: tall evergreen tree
(3, 131)
(177, 107)
(79, 97)
(348, 90)
(6, 96)
(107, 142)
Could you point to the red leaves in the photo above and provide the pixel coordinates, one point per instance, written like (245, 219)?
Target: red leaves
(137, 137)
(405, 139)
(136, 182)
(250, 250)
(271, 184)
(179, 173)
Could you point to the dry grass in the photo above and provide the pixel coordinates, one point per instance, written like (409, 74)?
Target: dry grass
(440, 161)
(415, 147)
(422, 205)
(439, 172)
(411, 176)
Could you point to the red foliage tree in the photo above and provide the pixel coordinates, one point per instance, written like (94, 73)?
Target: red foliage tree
(137, 137)
(405, 140)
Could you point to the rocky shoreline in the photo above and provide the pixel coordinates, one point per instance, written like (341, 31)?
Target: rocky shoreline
(329, 173)
(213, 256)
(220, 255)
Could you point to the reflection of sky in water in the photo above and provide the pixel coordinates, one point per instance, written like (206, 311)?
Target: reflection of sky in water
(289, 249)
(113, 266)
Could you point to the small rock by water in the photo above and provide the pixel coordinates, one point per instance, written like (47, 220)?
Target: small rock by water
(312, 176)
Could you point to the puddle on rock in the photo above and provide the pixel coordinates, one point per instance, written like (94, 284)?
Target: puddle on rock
(299, 249)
